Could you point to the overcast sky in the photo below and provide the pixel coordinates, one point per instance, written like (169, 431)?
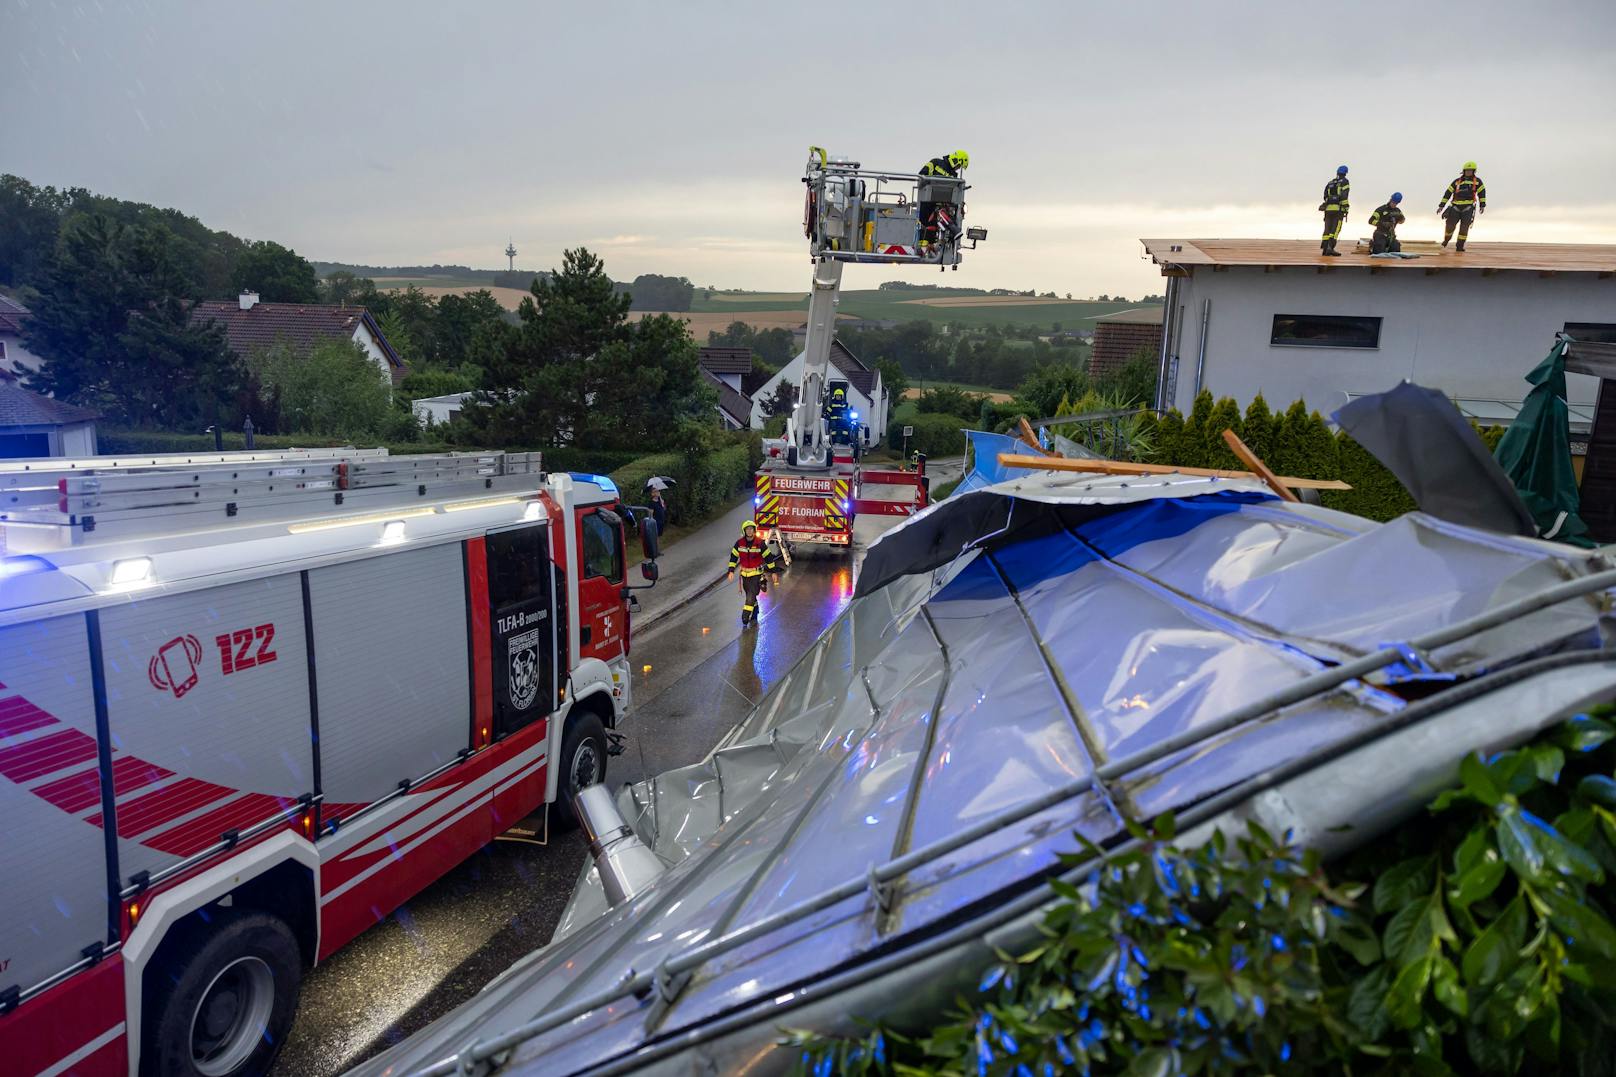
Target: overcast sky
(670, 136)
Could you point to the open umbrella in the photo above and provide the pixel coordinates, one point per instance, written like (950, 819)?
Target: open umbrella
(659, 482)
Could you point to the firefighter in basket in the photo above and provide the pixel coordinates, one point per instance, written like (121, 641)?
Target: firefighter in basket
(752, 557)
(838, 417)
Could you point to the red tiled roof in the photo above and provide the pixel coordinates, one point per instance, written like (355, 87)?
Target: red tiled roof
(301, 325)
(727, 360)
(19, 407)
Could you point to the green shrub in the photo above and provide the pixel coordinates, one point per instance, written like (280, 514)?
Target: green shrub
(114, 442)
(947, 400)
(935, 435)
(706, 483)
(1298, 443)
(1481, 942)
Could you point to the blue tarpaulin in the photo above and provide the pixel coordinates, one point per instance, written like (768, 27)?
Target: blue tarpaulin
(985, 468)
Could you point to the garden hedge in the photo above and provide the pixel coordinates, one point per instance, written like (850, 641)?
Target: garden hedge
(705, 484)
(1297, 442)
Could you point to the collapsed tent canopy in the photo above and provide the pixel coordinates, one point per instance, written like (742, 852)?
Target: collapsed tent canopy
(1063, 653)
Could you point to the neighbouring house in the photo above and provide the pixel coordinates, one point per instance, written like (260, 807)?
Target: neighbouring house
(865, 392)
(439, 409)
(15, 358)
(1272, 316)
(250, 325)
(32, 424)
(726, 370)
(1118, 336)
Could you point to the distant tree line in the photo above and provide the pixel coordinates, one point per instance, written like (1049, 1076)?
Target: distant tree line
(113, 284)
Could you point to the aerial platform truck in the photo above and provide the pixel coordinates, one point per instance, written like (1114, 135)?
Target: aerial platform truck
(811, 486)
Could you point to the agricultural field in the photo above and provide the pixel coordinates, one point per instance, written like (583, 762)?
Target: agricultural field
(944, 305)
(770, 310)
(509, 298)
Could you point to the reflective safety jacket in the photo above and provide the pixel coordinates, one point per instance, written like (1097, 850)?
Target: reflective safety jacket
(752, 555)
(1335, 195)
(1386, 218)
(939, 166)
(1464, 192)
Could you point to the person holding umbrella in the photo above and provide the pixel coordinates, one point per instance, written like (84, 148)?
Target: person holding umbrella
(659, 508)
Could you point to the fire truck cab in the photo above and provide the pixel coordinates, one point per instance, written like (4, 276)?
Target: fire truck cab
(251, 703)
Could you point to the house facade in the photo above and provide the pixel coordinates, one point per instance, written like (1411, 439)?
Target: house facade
(15, 358)
(1119, 336)
(250, 324)
(1274, 317)
(726, 371)
(865, 392)
(33, 425)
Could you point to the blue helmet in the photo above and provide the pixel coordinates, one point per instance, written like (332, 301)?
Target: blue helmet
(1397, 196)
(1341, 170)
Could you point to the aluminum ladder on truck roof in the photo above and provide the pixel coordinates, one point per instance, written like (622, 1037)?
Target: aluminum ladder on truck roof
(52, 504)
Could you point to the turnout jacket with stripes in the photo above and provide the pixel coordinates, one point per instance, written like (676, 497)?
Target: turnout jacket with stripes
(752, 556)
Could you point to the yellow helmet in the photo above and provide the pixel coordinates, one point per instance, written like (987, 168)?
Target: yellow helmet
(959, 159)
(750, 523)
(1470, 166)
(838, 392)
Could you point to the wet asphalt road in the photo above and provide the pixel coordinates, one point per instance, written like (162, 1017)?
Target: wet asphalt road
(444, 945)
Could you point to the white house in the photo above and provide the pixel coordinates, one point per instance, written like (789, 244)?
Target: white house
(726, 370)
(865, 393)
(250, 324)
(15, 358)
(439, 409)
(1249, 316)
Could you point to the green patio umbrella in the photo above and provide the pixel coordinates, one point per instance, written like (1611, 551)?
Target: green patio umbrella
(1535, 453)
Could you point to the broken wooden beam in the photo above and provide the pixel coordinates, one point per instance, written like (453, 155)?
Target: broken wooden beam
(1121, 467)
(1244, 454)
(1031, 438)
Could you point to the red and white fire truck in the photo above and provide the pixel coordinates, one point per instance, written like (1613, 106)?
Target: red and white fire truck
(804, 506)
(251, 703)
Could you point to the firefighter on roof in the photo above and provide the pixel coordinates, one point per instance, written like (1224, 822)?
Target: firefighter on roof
(1334, 207)
(1460, 203)
(1384, 221)
(753, 557)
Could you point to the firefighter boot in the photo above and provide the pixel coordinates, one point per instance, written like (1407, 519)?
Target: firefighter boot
(1458, 248)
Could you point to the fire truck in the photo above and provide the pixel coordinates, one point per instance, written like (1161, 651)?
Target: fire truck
(252, 702)
(811, 486)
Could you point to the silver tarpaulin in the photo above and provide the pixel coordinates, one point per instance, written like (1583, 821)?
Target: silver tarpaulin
(1064, 654)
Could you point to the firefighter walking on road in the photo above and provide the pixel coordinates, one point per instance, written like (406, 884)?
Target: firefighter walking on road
(1464, 197)
(1334, 207)
(1384, 221)
(752, 557)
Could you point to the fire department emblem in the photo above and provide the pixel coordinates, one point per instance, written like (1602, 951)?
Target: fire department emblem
(524, 669)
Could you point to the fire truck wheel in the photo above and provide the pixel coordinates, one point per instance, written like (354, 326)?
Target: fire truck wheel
(583, 761)
(231, 991)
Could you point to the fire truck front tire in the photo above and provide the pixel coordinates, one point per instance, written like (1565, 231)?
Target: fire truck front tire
(226, 993)
(583, 761)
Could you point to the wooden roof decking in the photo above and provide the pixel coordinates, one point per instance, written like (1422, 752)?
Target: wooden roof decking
(1489, 257)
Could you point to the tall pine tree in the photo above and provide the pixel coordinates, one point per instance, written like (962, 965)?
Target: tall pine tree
(113, 327)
